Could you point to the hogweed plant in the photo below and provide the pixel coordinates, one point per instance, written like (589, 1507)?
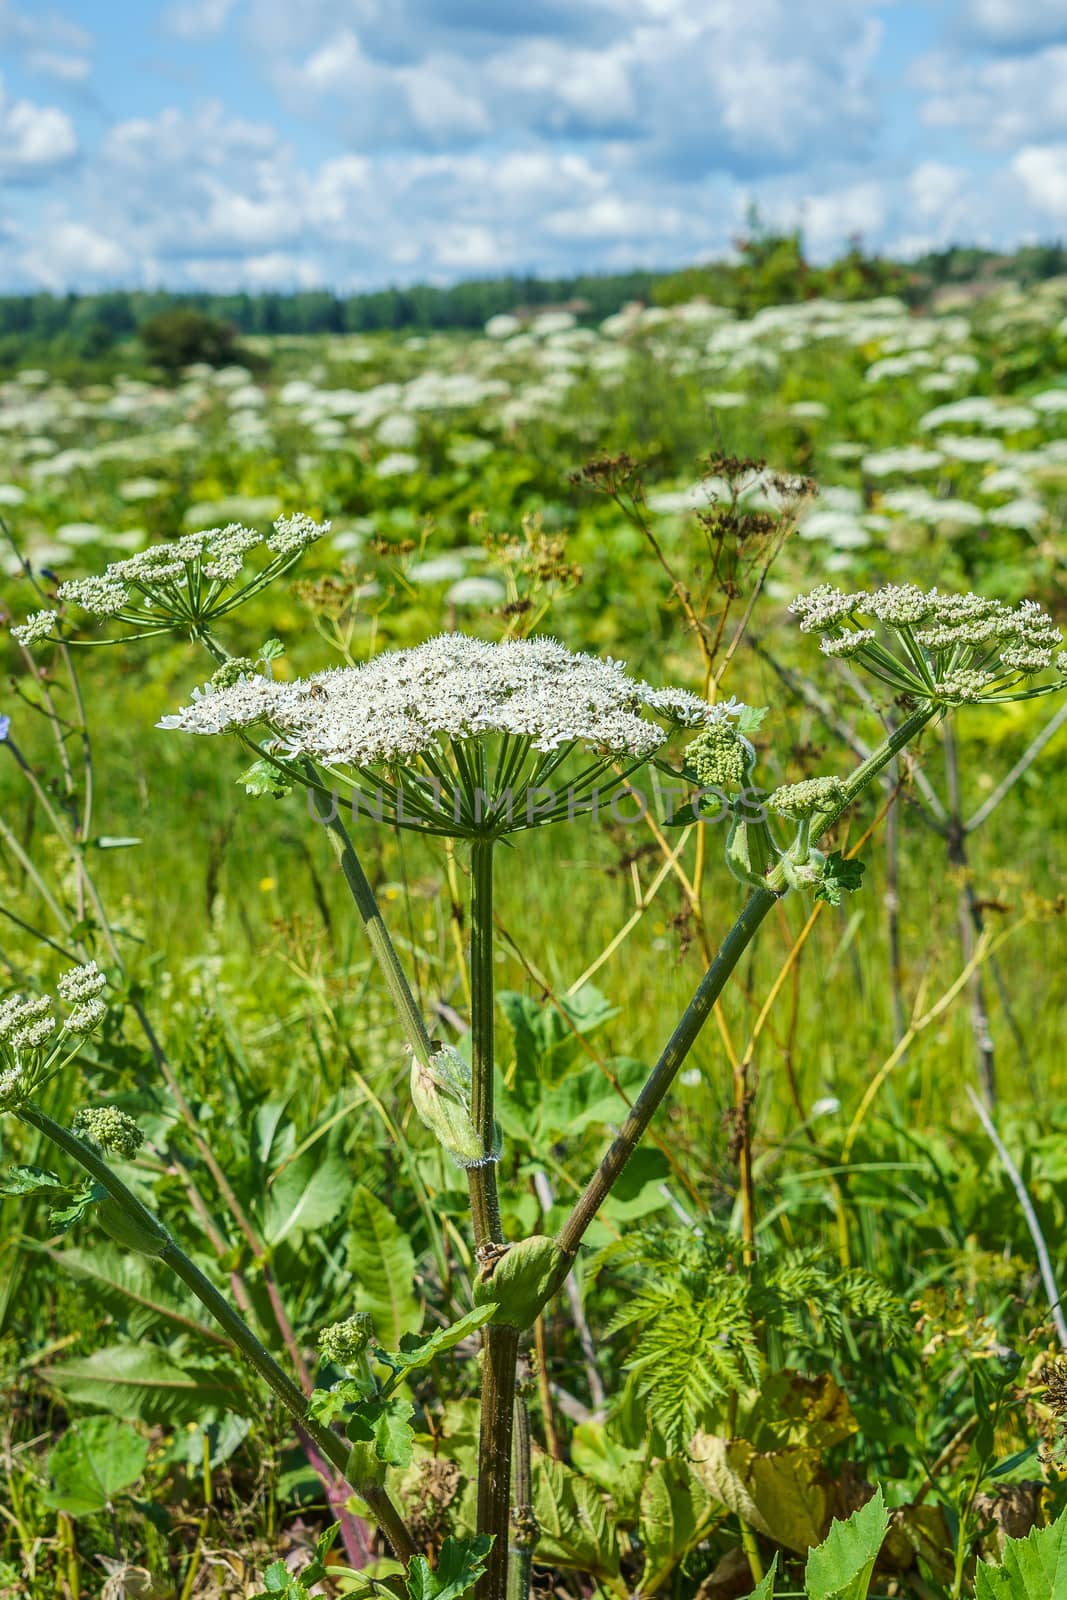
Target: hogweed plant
(476, 743)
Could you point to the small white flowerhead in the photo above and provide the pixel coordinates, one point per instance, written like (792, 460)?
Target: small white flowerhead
(81, 982)
(35, 628)
(185, 584)
(946, 649)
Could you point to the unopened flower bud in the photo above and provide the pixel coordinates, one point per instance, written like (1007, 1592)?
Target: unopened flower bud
(720, 756)
(440, 1093)
(346, 1342)
(113, 1130)
(805, 799)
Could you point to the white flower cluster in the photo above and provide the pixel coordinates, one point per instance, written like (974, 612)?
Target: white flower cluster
(950, 648)
(31, 1038)
(452, 688)
(35, 628)
(185, 582)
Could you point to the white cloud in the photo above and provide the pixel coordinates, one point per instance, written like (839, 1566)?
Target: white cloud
(198, 19)
(1042, 171)
(33, 138)
(997, 102)
(934, 188)
(66, 251)
(1016, 22)
(46, 42)
(750, 84)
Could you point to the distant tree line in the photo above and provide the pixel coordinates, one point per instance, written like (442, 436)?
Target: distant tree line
(128, 329)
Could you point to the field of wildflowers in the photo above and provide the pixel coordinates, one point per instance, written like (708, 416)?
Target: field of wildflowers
(563, 1091)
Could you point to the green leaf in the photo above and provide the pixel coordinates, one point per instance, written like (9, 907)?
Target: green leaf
(576, 1530)
(390, 1428)
(264, 778)
(141, 1381)
(547, 1039)
(415, 1353)
(674, 1511)
(31, 1181)
(93, 1462)
(305, 1195)
(383, 1262)
(764, 1590)
(839, 873)
(460, 1565)
(1034, 1568)
(69, 1202)
(840, 1568)
(270, 650)
(129, 1287)
(62, 1217)
(751, 719)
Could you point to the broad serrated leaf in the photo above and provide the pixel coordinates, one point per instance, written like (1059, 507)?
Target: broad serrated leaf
(142, 1382)
(572, 1515)
(1034, 1568)
(415, 1353)
(263, 778)
(383, 1262)
(839, 874)
(388, 1424)
(305, 1195)
(63, 1215)
(674, 1513)
(132, 1289)
(31, 1182)
(459, 1566)
(840, 1568)
(93, 1462)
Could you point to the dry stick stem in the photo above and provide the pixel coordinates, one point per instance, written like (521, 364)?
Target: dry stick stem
(1044, 1260)
(168, 1251)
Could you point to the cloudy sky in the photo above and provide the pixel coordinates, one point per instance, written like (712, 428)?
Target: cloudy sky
(354, 143)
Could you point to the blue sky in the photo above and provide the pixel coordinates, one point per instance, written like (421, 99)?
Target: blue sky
(355, 143)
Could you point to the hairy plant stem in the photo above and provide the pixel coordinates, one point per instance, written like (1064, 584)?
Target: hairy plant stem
(259, 1357)
(485, 1204)
(499, 1365)
(525, 1529)
(501, 1343)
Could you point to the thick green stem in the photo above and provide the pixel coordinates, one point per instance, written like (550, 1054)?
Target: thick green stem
(485, 1204)
(167, 1250)
(708, 991)
(499, 1363)
(663, 1073)
(411, 1019)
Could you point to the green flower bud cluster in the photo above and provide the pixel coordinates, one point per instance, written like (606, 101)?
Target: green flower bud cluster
(807, 798)
(116, 1133)
(720, 756)
(230, 671)
(440, 1093)
(346, 1342)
